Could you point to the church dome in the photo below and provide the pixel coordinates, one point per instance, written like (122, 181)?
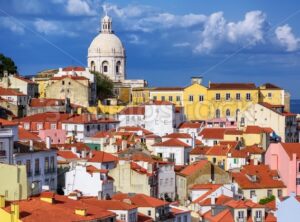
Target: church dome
(106, 44)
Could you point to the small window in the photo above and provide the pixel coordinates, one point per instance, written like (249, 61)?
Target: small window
(218, 96)
(69, 83)
(218, 113)
(105, 68)
(170, 98)
(63, 82)
(270, 95)
(258, 214)
(227, 113)
(240, 214)
(252, 193)
(201, 98)
(163, 98)
(149, 212)
(227, 96)
(248, 96)
(154, 98)
(238, 96)
(279, 193)
(177, 98)
(269, 193)
(191, 98)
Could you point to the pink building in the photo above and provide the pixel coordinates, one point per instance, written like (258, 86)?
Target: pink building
(285, 158)
(57, 136)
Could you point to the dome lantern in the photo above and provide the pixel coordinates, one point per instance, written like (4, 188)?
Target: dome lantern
(106, 24)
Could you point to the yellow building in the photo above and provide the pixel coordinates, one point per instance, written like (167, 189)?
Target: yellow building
(42, 79)
(271, 94)
(140, 95)
(171, 94)
(218, 100)
(15, 186)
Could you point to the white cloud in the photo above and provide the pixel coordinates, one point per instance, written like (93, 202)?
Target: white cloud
(47, 27)
(135, 39)
(181, 44)
(79, 7)
(287, 39)
(12, 24)
(246, 33)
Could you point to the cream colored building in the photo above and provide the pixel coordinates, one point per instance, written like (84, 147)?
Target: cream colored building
(15, 186)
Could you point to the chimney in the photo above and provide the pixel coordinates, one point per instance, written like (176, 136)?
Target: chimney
(15, 212)
(213, 199)
(99, 197)
(31, 145)
(90, 154)
(74, 149)
(83, 154)
(48, 142)
(197, 80)
(124, 144)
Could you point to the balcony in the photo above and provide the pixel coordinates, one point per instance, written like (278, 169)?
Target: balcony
(2, 153)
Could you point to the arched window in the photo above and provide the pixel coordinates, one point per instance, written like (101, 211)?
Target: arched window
(118, 67)
(93, 67)
(105, 67)
(218, 113)
(227, 113)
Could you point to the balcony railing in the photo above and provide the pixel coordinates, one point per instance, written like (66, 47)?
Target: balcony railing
(2, 153)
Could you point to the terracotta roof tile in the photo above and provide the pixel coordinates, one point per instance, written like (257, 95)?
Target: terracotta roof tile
(190, 125)
(44, 102)
(159, 103)
(212, 133)
(26, 135)
(232, 86)
(102, 157)
(178, 135)
(74, 68)
(67, 154)
(134, 110)
(172, 143)
(292, 148)
(192, 168)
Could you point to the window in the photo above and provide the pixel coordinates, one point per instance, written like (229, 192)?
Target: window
(238, 96)
(214, 160)
(154, 98)
(201, 98)
(26, 126)
(218, 96)
(160, 181)
(37, 167)
(172, 156)
(218, 113)
(227, 113)
(279, 193)
(227, 96)
(53, 126)
(177, 98)
(248, 96)
(270, 95)
(298, 181)
(240, 214)
(269, 193)
(170, 98)
(39, 126)
(105, 68)
(149, 212)
(163, 98)
(252, 193)
(63, 82)
(191, 98)
(258, 214)
(46, 164)
(123, 217)
(28, 167)
(52, 163)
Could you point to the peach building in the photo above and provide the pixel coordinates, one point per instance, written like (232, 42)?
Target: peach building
(285, 158)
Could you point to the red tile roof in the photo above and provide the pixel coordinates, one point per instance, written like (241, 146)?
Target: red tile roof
(190, 125)
(141, 200)
(92, 169)
(67, 146)
(43, 102)
(192, 168)
(172, 143)
(178, 135)
(233, 132)
(62, 210)
(109, 204)
(232, 86)
(199, 150)
(218, 150)
(257, 130)
(137, 168)
(10, 92)
(292, 148)
(264, 177)
(212, 133)
(26, 135)
(88, 119)
(159, 103)
(135, 129)
(74, 68)
(66, 154)
(269, 86)
(70, 77)
(134, 110)
(102, 157)
(167, 89)
(4, 122)
(45, 117)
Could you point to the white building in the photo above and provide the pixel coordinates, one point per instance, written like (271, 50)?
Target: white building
(89, 180)
(132, 116)
(160, 117)
(283, 123)
(86, 125)
(173, 150)
(41, 164)
(166, 179)
(192, 128)
(13, 96)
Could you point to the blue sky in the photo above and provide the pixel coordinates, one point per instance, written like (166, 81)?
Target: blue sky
(166, 42)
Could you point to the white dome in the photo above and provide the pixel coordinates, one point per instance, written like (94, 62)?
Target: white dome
(107, 44)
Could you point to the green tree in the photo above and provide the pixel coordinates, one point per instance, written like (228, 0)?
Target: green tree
(8, 64)
(104, 86)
